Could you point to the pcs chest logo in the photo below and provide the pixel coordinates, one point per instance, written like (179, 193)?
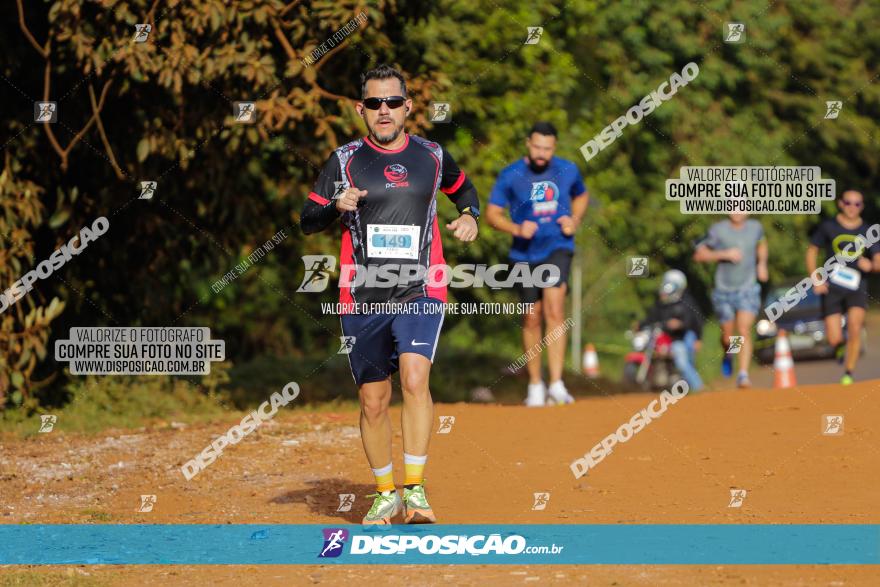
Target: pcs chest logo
(545, 198)
(334, 540)
(396, 176)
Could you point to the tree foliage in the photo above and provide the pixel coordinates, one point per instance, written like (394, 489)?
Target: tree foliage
(162, 110)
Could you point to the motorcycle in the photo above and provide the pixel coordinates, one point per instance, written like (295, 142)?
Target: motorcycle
(649, 365)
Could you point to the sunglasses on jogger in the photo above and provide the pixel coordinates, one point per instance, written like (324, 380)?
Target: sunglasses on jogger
(376, 103)
(853, 203)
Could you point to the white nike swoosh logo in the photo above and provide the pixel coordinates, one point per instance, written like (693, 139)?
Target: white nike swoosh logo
(414, 343)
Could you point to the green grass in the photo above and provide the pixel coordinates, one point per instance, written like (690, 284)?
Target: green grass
(97, 403)
(331, 388)
(709, 357)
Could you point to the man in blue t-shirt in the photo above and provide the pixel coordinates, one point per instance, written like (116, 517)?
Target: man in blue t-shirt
(547, 200)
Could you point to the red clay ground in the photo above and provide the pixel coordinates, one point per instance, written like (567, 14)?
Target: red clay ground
(677, 470)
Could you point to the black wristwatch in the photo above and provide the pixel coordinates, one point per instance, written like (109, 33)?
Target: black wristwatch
(472, 212)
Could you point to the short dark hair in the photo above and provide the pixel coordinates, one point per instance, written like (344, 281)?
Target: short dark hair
(384, 71)
(543, 128)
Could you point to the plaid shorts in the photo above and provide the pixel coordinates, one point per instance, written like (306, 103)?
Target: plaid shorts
(728, 302)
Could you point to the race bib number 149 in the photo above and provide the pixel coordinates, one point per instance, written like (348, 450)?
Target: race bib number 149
(393, 241)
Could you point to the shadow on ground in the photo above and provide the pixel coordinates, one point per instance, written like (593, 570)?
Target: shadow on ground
(322, 497)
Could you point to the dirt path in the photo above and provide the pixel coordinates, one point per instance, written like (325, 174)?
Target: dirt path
(679, 469)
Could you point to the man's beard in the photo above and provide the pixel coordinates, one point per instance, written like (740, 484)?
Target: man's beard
(534, 166)
(388, 138)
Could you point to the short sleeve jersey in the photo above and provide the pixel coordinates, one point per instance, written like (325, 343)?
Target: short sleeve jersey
(836, 240)
(724, 235)
(542, 198)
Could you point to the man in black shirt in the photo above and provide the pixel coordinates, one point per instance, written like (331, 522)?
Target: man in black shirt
(383, 190)
(845, 291)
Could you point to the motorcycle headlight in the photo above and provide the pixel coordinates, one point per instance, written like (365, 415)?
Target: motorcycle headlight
(640, 340)
(765, 328)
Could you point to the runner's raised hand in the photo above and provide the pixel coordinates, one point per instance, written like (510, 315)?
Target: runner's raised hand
(348, 201)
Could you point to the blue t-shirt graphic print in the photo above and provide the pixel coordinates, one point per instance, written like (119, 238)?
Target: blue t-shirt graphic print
(542, 198)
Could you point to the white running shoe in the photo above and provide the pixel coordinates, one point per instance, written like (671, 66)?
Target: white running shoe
(558, 394)
(537, 395)
(386, 505)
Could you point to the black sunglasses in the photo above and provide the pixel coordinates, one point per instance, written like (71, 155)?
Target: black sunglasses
(392, 101)
(851, 203)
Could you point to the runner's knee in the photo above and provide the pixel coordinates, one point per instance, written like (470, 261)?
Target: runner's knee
(374, 406)
(854, 328)
(726, 331)
(554, 313)
(414, 382)
(532, 320)
(374, 409)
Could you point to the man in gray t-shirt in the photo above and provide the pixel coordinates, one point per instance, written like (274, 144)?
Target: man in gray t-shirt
(740, 249)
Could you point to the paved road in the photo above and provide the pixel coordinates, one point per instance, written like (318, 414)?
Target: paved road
(828, 371)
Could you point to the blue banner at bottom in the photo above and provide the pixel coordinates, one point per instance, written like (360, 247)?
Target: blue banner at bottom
(655, 544)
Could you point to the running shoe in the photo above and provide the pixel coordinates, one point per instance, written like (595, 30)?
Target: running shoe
(537, 395)
(386, 505)
(743, 381)
(846, 379)
(415, 506)
(727, 366)
(840, 353)
(558, 394)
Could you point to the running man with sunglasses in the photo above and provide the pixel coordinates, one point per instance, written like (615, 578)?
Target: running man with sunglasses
(846, 290)
(383, 189)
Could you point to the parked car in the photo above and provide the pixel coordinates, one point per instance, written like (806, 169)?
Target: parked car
(804, 326)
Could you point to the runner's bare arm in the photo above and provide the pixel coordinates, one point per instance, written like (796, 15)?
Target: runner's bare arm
(498, 220)
(812, 255)
(709, 249)
(763, 252)
(874, 254)
(570, 224)
(704, 254)
(579, 205)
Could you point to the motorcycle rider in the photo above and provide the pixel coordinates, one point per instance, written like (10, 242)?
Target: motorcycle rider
(678, 316)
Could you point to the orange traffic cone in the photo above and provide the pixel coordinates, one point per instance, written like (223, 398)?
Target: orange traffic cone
(783, 364)
(591, 361)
